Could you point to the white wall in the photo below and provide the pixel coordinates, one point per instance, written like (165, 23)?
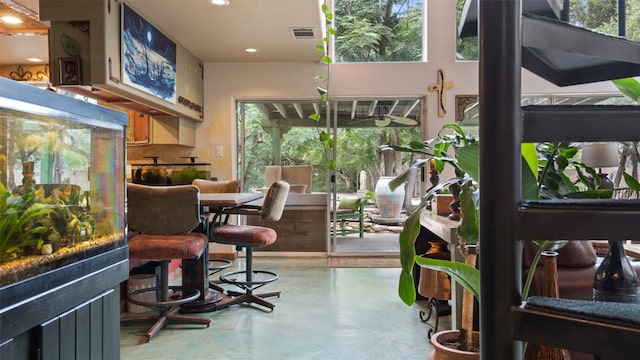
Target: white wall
(226, 83)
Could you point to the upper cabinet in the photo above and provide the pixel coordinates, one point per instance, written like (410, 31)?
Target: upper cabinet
(143, 129)
(122, 59)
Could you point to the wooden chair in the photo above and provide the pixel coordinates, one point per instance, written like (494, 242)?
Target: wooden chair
(350, 210)
(250, 237)
(164, 217)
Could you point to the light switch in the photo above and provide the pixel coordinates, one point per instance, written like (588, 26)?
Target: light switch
(219, 151)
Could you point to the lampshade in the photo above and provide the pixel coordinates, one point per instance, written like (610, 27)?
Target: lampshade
(600, 155)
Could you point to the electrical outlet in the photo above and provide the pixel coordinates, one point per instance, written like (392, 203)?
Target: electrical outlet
(219, 151)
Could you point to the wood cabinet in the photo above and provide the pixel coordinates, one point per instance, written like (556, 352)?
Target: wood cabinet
(172, 130)
(144, 129)
(304, 226)
(138, 128)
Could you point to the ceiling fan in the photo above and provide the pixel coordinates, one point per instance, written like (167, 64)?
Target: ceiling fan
(382, 119)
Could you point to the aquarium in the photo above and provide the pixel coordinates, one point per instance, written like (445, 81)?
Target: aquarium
(61, 181)
(158, 173)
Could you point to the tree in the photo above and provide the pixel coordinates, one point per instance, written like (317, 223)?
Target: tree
(596, 15)
(382, 30)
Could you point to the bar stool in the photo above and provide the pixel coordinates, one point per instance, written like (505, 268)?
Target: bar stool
(217, 186)
(250, 237)
(163, 217)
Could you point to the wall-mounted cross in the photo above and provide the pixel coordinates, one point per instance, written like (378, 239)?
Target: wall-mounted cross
(440, 88)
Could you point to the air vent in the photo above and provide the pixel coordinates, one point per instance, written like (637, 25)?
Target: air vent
(303, 33)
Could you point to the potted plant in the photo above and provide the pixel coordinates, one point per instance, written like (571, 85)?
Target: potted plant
(541, 179)
(465, 165)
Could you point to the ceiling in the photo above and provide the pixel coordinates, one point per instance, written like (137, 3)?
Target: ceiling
(211, 33)
(221, 34)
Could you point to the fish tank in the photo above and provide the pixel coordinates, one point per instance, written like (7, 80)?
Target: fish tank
(62, 178)
(157, 173)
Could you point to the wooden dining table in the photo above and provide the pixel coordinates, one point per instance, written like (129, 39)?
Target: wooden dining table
(195, 272)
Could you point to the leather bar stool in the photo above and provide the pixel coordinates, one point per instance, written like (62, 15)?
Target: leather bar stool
(163, 218)
(250, 237)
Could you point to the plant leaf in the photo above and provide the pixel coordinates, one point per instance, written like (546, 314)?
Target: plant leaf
(407, 238)
(629, 87)
(632, 183)
(468, 157)
(467, 276)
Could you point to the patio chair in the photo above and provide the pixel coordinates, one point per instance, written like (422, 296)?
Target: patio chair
(349, 210)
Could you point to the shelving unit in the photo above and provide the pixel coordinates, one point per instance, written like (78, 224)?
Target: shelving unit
(564, 55)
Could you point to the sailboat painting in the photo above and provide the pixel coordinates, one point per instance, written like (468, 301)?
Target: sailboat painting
(148, 57)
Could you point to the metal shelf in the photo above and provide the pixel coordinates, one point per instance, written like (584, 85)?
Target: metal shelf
(580, 123)
(578, 220)
(585, 330)
(568, 55)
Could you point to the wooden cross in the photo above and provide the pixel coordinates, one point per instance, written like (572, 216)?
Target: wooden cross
(440, 89)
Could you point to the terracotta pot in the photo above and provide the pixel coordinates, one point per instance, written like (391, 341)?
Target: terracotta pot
(441, 352)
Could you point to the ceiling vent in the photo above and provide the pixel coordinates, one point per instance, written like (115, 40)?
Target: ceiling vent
(303, 33)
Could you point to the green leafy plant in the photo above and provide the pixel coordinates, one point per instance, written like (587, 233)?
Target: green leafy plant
(20, 225)
(69, 220)
(324, 137)
(543, 177)
(629, 87)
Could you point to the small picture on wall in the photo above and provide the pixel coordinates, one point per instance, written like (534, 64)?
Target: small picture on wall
(70, 71)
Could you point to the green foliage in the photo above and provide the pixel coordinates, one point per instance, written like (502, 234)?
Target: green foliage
(19, 222)
(555, 159)
(390, 30)
(465, 275)
(596, 15)
(548, 167)
(629, 87)
(69, 219)
(465, 164)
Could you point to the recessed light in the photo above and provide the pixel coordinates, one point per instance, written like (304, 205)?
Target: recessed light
(8, 19)
(220, 2)
(34, 59)
(251, 50)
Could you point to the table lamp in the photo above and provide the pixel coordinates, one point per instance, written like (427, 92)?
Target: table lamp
(599, 156)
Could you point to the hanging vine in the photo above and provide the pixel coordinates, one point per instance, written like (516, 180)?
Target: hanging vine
(324, 138)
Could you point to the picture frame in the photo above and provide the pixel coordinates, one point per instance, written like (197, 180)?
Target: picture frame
(148, 59)
(70, 70)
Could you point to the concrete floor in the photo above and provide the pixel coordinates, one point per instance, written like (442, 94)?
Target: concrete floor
(323, 313)
(371, 243)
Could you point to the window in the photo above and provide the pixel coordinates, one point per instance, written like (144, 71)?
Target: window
(379, 31)
(279, 132)
(596, 15)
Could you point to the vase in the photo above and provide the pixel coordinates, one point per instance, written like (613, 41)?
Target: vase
(389, 202)
(443, 352)
(615, 279)
(549, 289)
(433, 283)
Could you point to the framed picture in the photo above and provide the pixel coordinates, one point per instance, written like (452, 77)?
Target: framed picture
(70, 71)
(148, 57)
